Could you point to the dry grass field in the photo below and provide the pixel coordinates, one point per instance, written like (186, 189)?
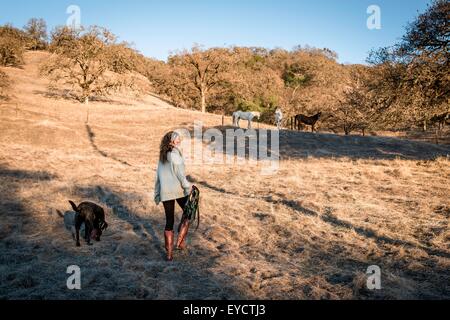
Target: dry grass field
(336, 206)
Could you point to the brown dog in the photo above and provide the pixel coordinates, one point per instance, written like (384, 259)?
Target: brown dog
(93, 217)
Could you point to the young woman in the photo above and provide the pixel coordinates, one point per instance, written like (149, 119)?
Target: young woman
(172, 186)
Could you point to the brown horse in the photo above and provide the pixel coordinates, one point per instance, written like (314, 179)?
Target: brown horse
(310, 121)
(441, 120)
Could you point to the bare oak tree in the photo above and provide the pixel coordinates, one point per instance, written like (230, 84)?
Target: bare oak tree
(36, 30)
(413, 75)
(88, 60)
(203, 69)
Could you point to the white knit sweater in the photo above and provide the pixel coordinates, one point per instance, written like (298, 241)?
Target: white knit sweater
(171, 182)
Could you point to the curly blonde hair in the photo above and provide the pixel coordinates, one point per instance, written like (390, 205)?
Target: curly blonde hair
(166, 145)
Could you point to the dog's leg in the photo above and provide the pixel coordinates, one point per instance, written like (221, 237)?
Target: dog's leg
(97, 231)
(77, 236)
(88, 228)
(103, 227)
(77, 230)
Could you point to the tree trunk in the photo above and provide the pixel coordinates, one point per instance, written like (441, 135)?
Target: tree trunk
(438, 129)
(203, 100)
(85, 96)
(346, 130)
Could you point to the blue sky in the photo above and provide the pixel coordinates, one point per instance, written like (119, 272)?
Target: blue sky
(156, 27)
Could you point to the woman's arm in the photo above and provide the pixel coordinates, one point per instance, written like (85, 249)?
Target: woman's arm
(157, 197)
(178, 168)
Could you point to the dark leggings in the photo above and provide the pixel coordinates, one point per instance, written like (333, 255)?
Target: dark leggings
(169, 208)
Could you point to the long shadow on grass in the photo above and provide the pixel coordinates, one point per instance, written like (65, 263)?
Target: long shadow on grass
(91, 136)
(115, 201)
(333, 254)
(35, 250)
(69, 95)
(302, 145)
(192, 265)
(368, 233)
(329, 218)
(17, 254)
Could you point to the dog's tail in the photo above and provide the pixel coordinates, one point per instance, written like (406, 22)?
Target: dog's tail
(75, 208)
(60, 213)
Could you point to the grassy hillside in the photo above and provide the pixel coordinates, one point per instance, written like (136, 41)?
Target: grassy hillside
(337, 205)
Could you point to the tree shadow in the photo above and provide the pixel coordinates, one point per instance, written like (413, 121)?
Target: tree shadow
(58, 94)
(91, 136)
(34, 258)
(109, 101)
(329, 218)
(337, 256)
(106, 197)
(17, 230)
(69, 95)
(302, 145)
(35, 251)
(430, 135)
(150, 230)
(207, 185)
(247, 150)
(18, 174)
